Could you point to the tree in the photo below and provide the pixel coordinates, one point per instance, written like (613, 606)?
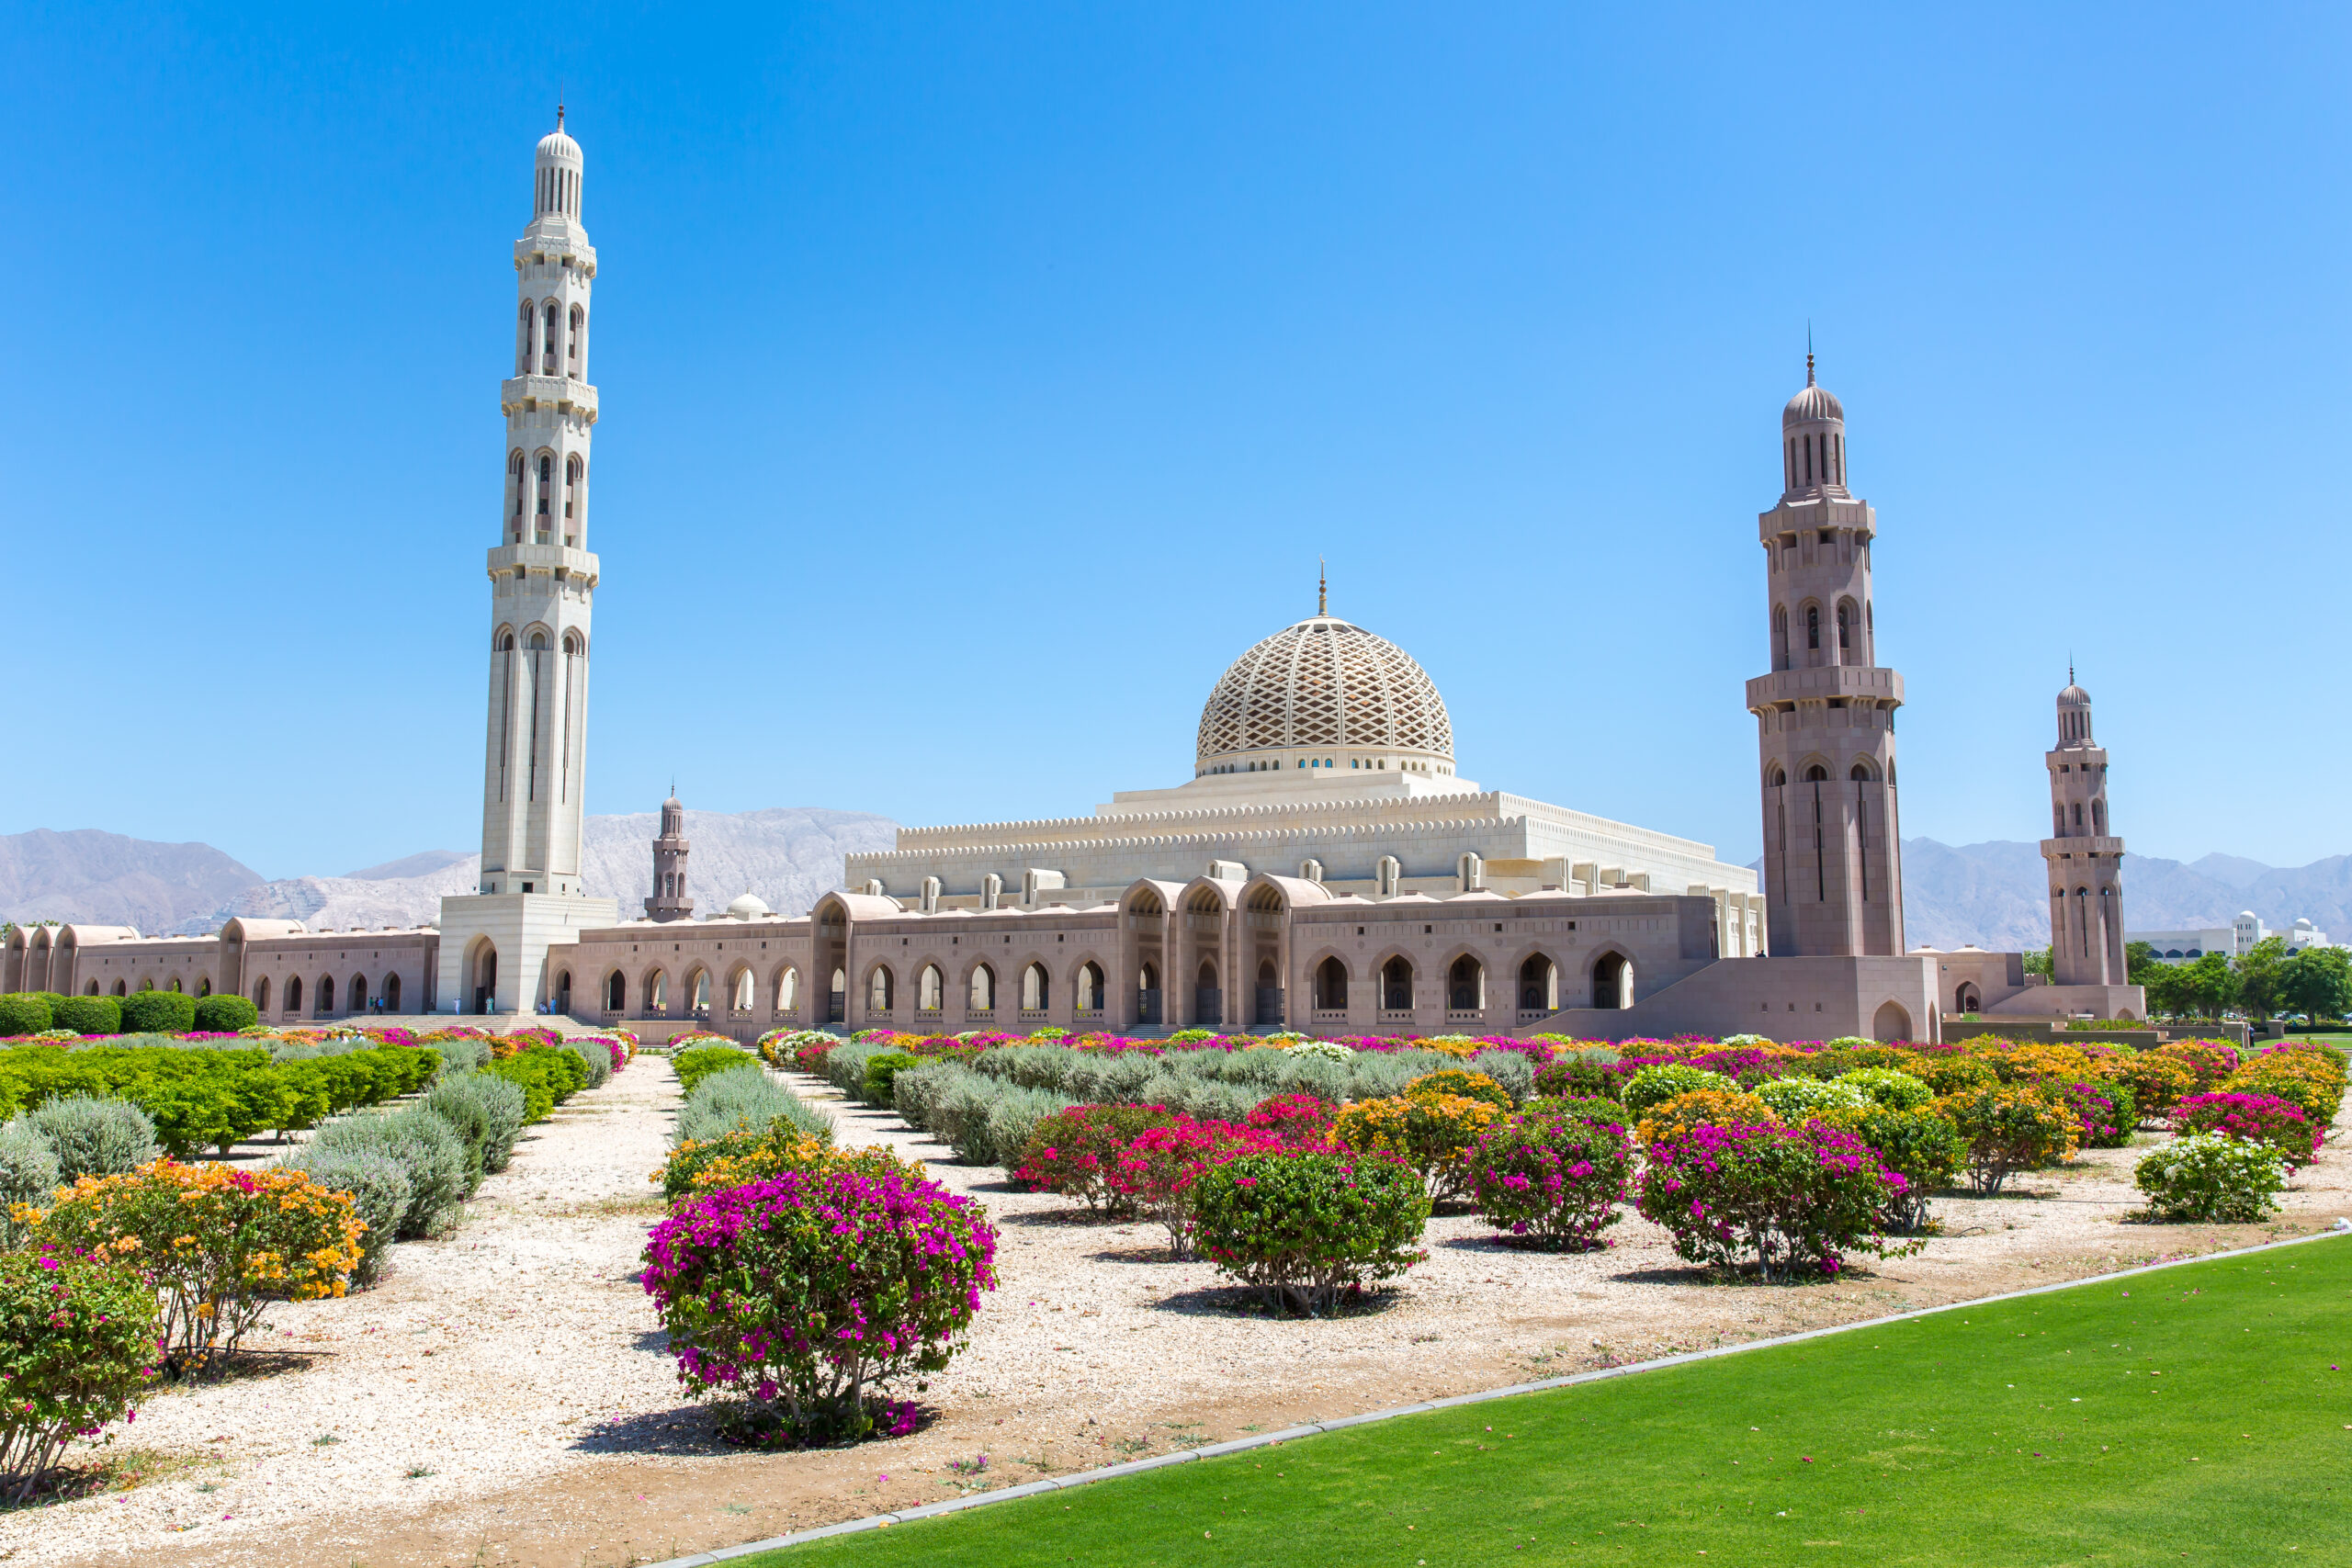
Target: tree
(2257, 972)
(2206, 988)
(2139, 965)
(2037, 962)
(2317, 983)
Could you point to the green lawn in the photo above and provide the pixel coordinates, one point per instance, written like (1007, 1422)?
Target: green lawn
(2185, 1415)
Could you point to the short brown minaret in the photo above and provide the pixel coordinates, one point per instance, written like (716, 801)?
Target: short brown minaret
(2086, 859)
(671, 900)
(1825, 716)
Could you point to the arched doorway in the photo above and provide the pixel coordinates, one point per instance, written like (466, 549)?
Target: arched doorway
(355, 998)
(261, 993)
(787, 991)
(930, 989)
(615, 992)
(1397, 985)
(1892, 1023)
(1965, 1000)
(983, 991)
(294, 996)
(327, 995)
(1036, 988)
(203, 985)
(391, 993)
(1208, 999)
(482, 979)
(1267, 1003)
(837, 998)
(1089, 986)
(1147, 995)
(563, 992)
(1466, 986)
(1539, 985)
(1612, 981)
(1331, 986)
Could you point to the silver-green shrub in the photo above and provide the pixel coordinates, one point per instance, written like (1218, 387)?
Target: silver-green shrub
(845, 1067)
(597, 1060)
(487, 1112)
(1009, 1123)
(458, 1056)
(91, 1136)
(1510, 1069)
(429, 1151)
(378, 1186)
(28, 1175)
(744, 1101)
(1111, 1080)
(915, 1091)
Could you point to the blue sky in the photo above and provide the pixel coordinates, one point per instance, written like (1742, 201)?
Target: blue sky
(979, 381)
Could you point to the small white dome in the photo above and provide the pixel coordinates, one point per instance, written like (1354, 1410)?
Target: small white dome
(748, 908)
(556, 147)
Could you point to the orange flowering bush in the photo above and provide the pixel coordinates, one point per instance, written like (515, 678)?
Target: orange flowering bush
(1701, 1107)
(1456, 1080)
(216, 1243)
(1431, 1133)
(2041, 1064)
(738, 1158)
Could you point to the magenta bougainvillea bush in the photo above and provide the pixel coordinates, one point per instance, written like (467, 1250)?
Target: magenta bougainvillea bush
(1787, 1201)
(2105, 1113)
(1551, 1179)
(1310, 1226)
(1156, 1174)
(810, 1295)
(2278, 1124)
(1300, 1120)
(1074, 1152)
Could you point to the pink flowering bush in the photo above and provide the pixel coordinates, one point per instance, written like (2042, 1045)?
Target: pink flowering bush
(77, 1343)
(809, 1294)
(1308, 1225)
(2279, 1125)
(1552, 1177)
(1787, 1198)
(1075, 1152)
(1299, 1120)
(2105, 1114)
(1156, 1173)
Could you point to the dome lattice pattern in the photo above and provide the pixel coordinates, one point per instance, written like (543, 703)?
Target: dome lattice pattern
(1325, 682)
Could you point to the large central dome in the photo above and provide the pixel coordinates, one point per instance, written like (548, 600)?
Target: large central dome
(1329, 694)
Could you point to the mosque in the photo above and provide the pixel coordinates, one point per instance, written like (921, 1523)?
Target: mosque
(1326, 868)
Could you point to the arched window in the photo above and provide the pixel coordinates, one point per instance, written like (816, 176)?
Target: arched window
(261, 992)
(1860, 772)
(744, 992)
(203, 985)
(1612, 981)
(615, 992)
(1779, 636)
(1816, 775)
(547, 487)
(1397, 985)
(1332, 985)
(553, 336)
(1089, 986)
(787, 991)
(579, 324)
(294, 996)
(121, 989)
(1812, 626)
(2079, 814)
(1036, 988)
(523, 339)
(1845, 630)
(355, 995)
(1539, 985)
(877, 989)
(572, 469)
(1466, 986)
(983, 997)
(2098, 818)
(391, 993)
(1774, 778)
(172, 985)
(931, 988)
(657, 992)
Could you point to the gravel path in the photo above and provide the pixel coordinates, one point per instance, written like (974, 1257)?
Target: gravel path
(520, 1362)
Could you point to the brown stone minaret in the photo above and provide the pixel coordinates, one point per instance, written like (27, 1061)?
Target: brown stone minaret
(2086, 859)
(1825, 716)
(670, 900)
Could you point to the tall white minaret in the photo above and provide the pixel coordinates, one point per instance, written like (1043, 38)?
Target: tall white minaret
(2083, 853)
(542, 582)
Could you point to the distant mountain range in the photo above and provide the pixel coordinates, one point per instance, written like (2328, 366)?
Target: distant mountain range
(787, 856)
(1989, 893)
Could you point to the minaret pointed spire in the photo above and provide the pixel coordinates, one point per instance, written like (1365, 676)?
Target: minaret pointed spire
(1322, 589)
(1808, 352)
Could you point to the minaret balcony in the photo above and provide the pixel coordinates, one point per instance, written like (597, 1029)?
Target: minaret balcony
(551, 559)
(1855, 683)
(2087, 847)
(524, 394)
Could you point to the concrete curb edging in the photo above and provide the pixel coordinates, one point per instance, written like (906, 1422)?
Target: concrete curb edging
(1313, 1429)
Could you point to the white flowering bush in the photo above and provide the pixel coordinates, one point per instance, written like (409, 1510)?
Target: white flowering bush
(1329, 1050)
(2208, 1177)
(1799, 1100)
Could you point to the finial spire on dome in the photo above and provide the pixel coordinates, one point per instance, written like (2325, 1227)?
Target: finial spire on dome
(1322, 589)
(1808, 344)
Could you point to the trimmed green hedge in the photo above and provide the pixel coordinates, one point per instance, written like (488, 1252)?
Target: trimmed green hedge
(201, 1097)
(158, 1012)
(23, 1012)
(87, 1015)
(223, 1015)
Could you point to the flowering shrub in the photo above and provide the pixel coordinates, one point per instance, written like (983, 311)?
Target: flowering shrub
(1430, 1133)
(2208, 1177)
(1656, 1085)
(1700, 1108)
(2041, 1064)
(2104, 1113)
(77, 1343)
(1297, 1119)
(1582, 1077)
(1158, 1171)
(1551, 1179)
(216, 1241)
(1306, 1225)
(1074, 1152)
(1889, 1086)
(786, 1047)
(745, 1154)
(2311, 1077)
(2009, 1129)
(1456, 1082)
(1919, 1143)
(1794, 1099)
(1789, 1199)
(2279, 1125)
(2210, 1060)
(1958, 1075)
(2158, 1080)
(809, 1294)
(1329, 1050)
